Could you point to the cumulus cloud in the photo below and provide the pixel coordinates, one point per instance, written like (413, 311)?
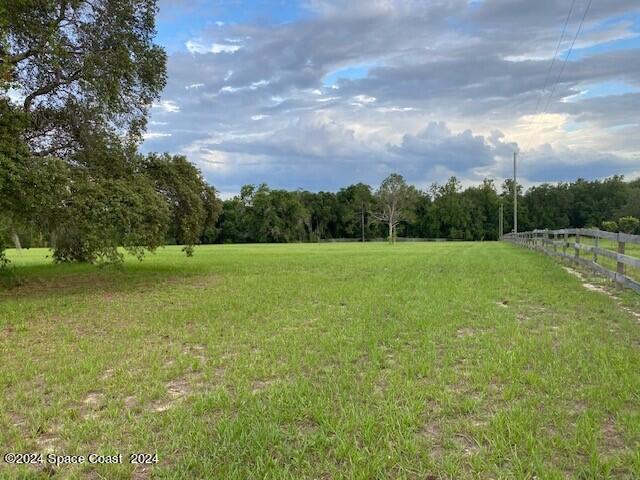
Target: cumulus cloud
(167, 106)
(353, 90)
(438, 146)
(196, 46)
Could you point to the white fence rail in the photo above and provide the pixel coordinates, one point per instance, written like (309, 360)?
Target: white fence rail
(557, 242)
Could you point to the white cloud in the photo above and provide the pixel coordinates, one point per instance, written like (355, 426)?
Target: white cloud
(260, 83)
(194, 86)
(167, 106)
(220, 48)
(364, 99)
(396, 109)
(197, 46)
(154, 135)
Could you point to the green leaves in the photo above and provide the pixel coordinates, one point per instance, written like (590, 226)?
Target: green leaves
(192, 203)
(87, 73)
(83, 66)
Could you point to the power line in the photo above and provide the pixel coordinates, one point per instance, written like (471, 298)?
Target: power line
(555, 55)
(553, 91)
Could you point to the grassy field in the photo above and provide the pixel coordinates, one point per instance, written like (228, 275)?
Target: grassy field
(419, 360)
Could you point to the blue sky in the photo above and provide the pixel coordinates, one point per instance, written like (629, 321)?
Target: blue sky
(317, 94)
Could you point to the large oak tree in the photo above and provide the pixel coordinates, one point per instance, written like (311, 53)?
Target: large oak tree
(80, 76)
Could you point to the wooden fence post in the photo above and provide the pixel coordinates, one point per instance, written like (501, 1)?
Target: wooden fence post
(595, 250)
(545, 243)
(564, 244)
(620, 271)
(577, 246)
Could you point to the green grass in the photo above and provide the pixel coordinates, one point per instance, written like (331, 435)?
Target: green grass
(333, 361)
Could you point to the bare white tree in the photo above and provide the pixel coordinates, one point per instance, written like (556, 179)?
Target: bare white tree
(394, 202)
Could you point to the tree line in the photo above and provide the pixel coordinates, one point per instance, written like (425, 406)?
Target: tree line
(260, 214)
(443, 211)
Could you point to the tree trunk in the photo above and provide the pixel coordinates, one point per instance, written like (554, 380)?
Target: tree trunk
(391, 232)
(16, 240)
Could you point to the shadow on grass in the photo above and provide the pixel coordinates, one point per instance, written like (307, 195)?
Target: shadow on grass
(38, 281)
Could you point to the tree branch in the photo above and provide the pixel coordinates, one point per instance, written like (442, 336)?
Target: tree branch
(48, 89)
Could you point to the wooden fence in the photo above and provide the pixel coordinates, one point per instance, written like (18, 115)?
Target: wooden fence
(557, 242)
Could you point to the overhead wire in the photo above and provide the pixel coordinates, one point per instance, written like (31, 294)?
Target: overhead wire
(566, 58)
(555, 55)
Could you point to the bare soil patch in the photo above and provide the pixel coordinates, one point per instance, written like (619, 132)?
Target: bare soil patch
(260, 385)
(612, 440)
(176, 390)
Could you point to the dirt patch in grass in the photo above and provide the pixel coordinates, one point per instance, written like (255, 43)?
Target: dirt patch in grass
(92, 403)
(380, 386)
(141, 472)
(48, 442)
(605, 290)
(612, 441)
(590, 286)
(431, 434)
(307, 427)
(258, 386)
(196, 351)
(466, 332)
(635, 314)
(130, 401)
(93, 399)
(17, 421)
(177, 390)
(466, 443)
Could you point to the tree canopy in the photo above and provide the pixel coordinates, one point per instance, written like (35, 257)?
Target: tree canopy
(77, 80)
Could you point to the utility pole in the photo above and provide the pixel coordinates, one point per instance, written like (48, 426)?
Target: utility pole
(515, 196)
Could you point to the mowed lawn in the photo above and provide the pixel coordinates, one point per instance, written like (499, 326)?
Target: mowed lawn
(331, 361)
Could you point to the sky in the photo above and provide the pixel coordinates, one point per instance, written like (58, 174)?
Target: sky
(320, 94)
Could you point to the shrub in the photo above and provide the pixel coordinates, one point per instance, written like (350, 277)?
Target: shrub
(629, 225)
(610, 226)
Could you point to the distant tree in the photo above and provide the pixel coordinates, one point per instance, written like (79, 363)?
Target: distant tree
(322, 209)
(451, 210)
(394, 202)
(423, 225)
(354, 203)
(507, 201)
(548, 206)
(610, 226)
(629, 225)
(213, 209)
